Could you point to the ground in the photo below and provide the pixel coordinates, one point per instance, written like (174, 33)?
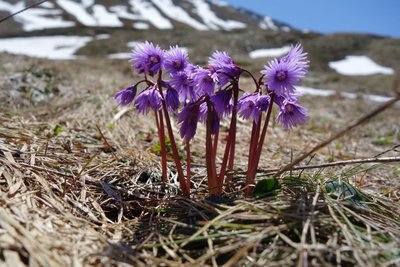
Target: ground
(66, 197)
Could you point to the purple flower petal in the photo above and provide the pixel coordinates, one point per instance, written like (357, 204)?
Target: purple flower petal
(148, 99)
(247, 106)
(176, 60)
(126, 96)
(188, 118)
(147, 58)
(291, 114)
(172, 99)
(285, 73)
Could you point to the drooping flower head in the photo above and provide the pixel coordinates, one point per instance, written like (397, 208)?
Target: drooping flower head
(126, 96)
(148, 99)
(284, 74)
(147, 58)
(176, 60)
(263, 102)
(247, 106)
(183, 83)
(203, 81)
(188, 118)
(172, 99)
(291, 114)
(224, 68)
(212, 114)
(223, 103)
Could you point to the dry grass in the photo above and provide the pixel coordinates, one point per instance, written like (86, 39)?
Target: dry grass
(82, 205)
(66, 198)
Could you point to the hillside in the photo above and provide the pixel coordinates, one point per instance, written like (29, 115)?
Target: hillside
(200, 15)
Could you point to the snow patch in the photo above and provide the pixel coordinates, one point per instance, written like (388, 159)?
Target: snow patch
(203, 10)
(105, 18)
(359, 66)
(132, 44)
(78, 11)
(103, 36)
(219, 3)
(179, 14)
(36, 18)
(119, 56)
(122, 12)
(87, 3)
(326, 92)
(269, 52)
(47, 5)
(51, 47)
(268, 23)
(150, 13)
(140, 26)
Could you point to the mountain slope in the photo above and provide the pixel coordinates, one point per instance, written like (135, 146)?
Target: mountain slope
(200, 15)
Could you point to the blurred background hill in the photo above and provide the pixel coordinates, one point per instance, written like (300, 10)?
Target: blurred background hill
(76, 29)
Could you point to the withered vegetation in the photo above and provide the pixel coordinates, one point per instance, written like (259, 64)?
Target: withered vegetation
(73, 195)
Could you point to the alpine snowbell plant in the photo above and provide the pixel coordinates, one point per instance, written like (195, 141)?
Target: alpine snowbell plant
(171, 85)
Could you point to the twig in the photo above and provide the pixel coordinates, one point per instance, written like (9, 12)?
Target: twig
(394, 148)
(339, 134)
(106, 144)
(22, 10)
(333, 164)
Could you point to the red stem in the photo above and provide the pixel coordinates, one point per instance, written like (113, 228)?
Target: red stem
(215, 146)
(210, 162)
(251, 175)
(161, 136)
(182, 181)
(181, 177)
(229, 178)
(255, 133)
(224, 161)
(188, 169)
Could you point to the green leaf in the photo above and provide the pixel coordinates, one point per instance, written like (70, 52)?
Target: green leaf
(111, 126)
(345, 192)
(267, 187)
(384, 140)
(57, 129)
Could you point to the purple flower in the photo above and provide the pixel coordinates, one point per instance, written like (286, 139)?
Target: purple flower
(297, 55)
(181, 82)
(147, 58)
(220, 59)
(188, 118)
(278, 99)
(291, 114)
(215, 119)
(247, 106)
(283, 76)
(172, 99)
(222, 101)
(176, 60)
(224, 67)
(263, 102)
(126, 96)
(203, 115)
(148, 99)
(203, 81)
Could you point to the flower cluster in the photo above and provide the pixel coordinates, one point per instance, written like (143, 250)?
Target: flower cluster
(210, 94)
